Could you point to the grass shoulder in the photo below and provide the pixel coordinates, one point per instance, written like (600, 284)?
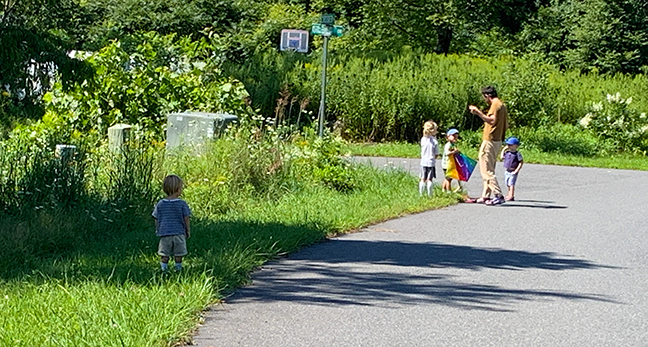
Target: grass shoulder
(109, 291)
(533, 156)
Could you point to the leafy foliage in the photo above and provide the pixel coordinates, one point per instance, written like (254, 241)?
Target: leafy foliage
(33, 46)
(160, 75)
(111, 19)
(592, 35)
(613, 120)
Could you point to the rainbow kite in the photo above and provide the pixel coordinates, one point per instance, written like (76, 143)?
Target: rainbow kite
(460, 167)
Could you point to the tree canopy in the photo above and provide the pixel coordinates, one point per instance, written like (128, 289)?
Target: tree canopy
(600, 36)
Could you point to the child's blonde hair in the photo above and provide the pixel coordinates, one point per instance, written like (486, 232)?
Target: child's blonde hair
(171, 184)
(429, 128)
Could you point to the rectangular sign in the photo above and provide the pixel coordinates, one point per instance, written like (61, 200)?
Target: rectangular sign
(338, 30)
(328, 19)
(321, 29)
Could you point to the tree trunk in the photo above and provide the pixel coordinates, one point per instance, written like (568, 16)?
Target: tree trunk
(444, 39)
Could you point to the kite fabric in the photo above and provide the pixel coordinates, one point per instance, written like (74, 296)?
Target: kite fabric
(460, 167)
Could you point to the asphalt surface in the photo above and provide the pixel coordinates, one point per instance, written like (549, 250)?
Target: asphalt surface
(564, 265)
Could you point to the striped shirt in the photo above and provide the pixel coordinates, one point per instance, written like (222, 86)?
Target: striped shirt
(170, 215)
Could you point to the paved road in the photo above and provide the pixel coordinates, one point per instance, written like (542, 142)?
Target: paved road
(565, 265)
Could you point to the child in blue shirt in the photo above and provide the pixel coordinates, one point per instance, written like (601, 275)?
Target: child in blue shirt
(172, 223)
(512, 164)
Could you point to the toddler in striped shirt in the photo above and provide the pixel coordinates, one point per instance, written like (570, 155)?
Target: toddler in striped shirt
(172, 223)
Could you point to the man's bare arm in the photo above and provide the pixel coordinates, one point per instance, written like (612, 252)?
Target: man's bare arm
(490, 119)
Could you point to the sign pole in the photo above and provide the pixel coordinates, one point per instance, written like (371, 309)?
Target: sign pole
(323, 97)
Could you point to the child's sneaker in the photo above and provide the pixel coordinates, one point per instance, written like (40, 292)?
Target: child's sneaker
(498, 200)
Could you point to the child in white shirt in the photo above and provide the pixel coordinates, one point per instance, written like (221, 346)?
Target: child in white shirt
(429, 152)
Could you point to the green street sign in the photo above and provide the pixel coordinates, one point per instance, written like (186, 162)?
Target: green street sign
(321, 29)
(328, 19)
(338, 30)
(327, 30)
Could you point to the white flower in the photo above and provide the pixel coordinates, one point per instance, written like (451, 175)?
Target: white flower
(585, 121)
(597, 106)
(628, 100)
(614, 98)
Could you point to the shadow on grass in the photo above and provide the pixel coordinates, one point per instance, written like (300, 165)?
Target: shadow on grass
(367, 273)
(227, 250)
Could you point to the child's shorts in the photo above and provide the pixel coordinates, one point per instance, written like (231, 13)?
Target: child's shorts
(427, 173)
(445, 174)
(510, 178)
(174, 245)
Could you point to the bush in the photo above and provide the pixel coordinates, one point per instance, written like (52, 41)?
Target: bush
(613, 120)
(388, 98)
(562, 139)
(157, 75)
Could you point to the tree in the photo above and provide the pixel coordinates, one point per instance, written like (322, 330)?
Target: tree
(33, 47)
(591, 35)
(114, 19)
(439, 26)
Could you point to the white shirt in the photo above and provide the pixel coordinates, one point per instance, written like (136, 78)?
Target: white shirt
(429, 150)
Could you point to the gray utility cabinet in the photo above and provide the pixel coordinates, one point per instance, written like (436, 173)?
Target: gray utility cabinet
(195, 128)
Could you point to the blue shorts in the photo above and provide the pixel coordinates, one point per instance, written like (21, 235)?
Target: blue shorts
(510, 178)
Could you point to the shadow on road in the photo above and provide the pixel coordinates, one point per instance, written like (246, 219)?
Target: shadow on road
(548, 207)
(439, 255)
(340, 276)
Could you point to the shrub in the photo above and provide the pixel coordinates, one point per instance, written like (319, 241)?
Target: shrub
(613, 120)
(140, 86)
(320, 159)
(562, 139)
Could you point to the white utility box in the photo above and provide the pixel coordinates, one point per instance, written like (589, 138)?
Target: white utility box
(195, 128)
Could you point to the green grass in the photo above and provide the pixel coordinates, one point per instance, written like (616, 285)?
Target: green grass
(108, 292)
(534, 156)
(387, 149)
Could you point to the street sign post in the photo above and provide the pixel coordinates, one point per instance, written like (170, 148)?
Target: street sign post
(325, 28)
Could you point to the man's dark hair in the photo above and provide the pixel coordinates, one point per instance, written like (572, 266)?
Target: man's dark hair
(490, 91)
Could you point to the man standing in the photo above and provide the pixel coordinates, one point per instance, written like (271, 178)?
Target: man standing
(495, 125)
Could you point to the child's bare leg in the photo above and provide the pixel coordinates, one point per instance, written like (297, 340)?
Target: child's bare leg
(511, 192)
(446, 184)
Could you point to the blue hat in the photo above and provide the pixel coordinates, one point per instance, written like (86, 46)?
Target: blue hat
(452, 131)
(512, 141)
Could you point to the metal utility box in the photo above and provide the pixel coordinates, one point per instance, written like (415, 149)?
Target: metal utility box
(117, 136)
(195, 128)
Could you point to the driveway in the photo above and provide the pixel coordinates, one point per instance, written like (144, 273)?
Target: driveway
(564, 265)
